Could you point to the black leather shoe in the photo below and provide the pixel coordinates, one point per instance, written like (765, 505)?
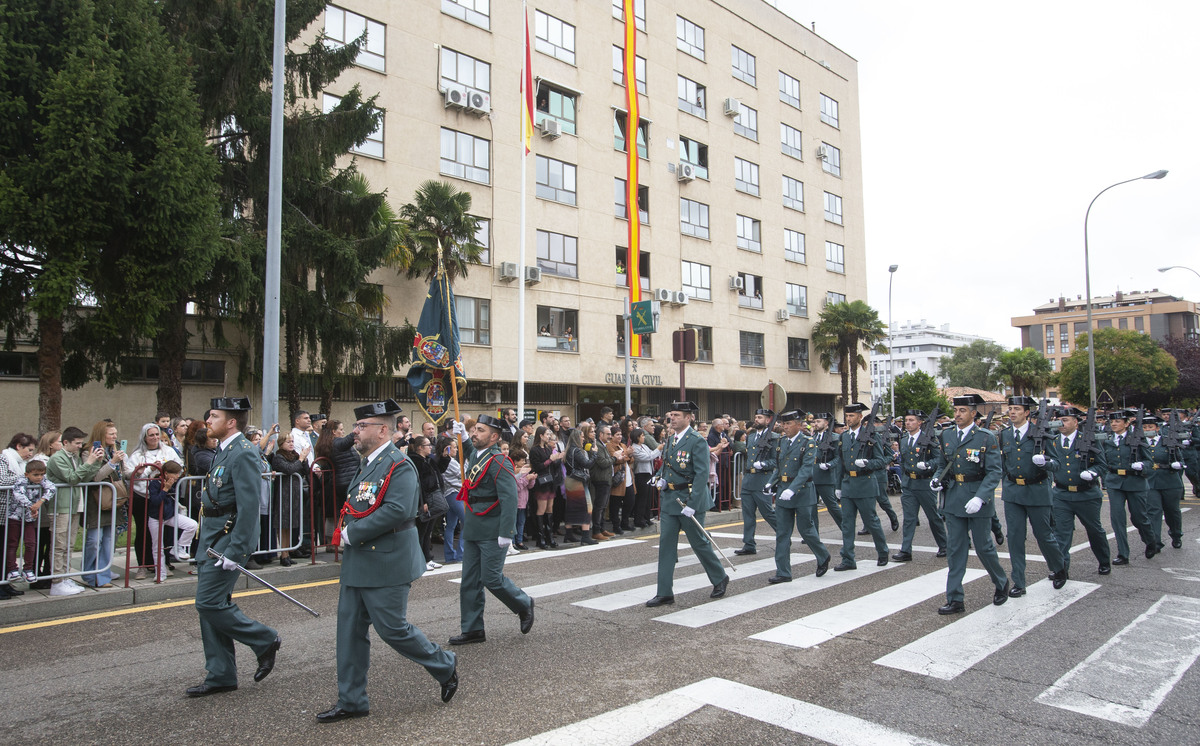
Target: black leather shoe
(1177, 543)
(660, 601)
(1001, 594)
(952, 607)
(1104, 569)
(719, 589)
(822, 568)
(1121, 561)
(266, 661)
(336, 713)
(895, 521)
(941, 553)
(526, 618)
(451, 685)
(1058, 579)
(844, 565)
(1016, 592)
(902, 557)
(467, 638)
(999, 539)
(1151, 550)
(206, 689)
(743, 552)
(778, 579)
(883, 560)
(864, 532)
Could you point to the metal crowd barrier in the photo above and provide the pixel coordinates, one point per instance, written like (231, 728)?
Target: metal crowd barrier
(326, 483)
(77, 521)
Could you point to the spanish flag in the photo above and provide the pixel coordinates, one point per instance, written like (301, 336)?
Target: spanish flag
(632, 268)
(527, 90)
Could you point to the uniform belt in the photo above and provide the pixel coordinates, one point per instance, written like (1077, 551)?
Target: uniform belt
(913, 475)
(216, 511)
(785, 477)
(1022, 481)
(679, 486)
(1071, 488)
(964, 479)
(852, 473)
(1121, 472)
(751, 471)
(406, 525)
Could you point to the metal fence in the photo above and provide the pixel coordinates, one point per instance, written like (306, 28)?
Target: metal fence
(51, 555)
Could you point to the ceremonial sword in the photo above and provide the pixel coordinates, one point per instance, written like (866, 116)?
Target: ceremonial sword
(708, 536)
(217, 555)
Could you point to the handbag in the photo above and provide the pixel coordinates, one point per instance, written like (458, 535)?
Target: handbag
(547, 479)
(106, 496)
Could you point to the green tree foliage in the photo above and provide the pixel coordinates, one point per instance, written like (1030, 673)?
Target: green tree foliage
(842, 332)
(1129, 365)
(440, 216)
(973, 365)
(918, 390)
(1025, 370)
(1186, 351)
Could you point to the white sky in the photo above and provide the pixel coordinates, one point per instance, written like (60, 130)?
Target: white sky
(987, 129)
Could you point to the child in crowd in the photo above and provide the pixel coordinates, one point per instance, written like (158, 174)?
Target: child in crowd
(29, 493)
(162, 498)
(525, 480)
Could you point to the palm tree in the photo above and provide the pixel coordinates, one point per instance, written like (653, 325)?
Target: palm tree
(839, 336)
(439, 215)
(1025, 370)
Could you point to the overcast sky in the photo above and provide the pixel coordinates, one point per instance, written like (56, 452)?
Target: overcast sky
(987, 129)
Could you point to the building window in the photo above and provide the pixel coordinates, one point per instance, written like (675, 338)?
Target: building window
(483, 237)
(749, 234)
(646, 340)
(693, 218)
(832, 162)
(750, 296)
(744, 66)
(793, 193)
(1139, 324)
(790, 141)
(554, 37)
(558, 254)
(621, 210)
(639, 13)
(689, 37)
(466, 156)
(372, 147)
(829, 110)
(752, 349)
(1064, 337)
(474, 320)
(746, 122)
(556, 104)
(692, 97)
(793, 246)
(797, 353)
(1053, 363)
(474, 12)
(1122, 323)
(134, 369)
(704, 346)
(463, 69)
(1080, 328)
(789, 90)
(833, 208)
(558, 329)
(18, 365)
(643, 268)
(832, 297)
(797, 299)
(343, 27)
(835, 257)
(620, 122)
(555, 180)
(697, 280)
(695, 153)
(745, 176)
(639, 69)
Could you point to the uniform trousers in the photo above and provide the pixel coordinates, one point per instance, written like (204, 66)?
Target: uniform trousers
(1136, 502)
(222, 623)
(799, 517)
(1016, 516)
(754, 501)
(483, 567)
(669, 525)
(852, 507)
(828, 495)
(1088, 513)
(1164, 504)
(959, 531)
(912, 501)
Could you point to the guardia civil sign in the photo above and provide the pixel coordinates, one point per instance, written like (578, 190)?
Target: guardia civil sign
(643, 317)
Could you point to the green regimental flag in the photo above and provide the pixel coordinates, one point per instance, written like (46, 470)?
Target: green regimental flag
(437, 352)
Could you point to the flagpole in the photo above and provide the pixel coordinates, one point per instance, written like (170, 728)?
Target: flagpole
(453, 366)
(521, 241)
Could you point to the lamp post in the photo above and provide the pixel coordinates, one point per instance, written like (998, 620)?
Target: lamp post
(1176, 266)
(891, 345)
(1087, 279)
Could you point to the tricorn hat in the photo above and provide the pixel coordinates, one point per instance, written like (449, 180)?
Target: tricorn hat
(231, 404)
(765, 412)
(490, 421)
(856, 407)
(1023, 401)
(791, 415)
(914, 413)
(968, 400)
(827, 416)
(684, 406)
(378, 409)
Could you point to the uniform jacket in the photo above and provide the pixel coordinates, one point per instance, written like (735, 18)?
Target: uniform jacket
(685, 462)
(1067, 484)
(912, 478)
(1025, 483)
(795, 463)
(754, 479)
(858, 483)
(497, 484)
(974, 472)
(234, 481)
(1161, 475)
(384, 547)
(832, 475)
(1119, 457)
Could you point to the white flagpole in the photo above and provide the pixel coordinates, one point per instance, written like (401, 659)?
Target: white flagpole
(521, 241)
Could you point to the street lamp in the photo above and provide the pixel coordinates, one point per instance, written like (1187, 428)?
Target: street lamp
(891, 344)
(1189, 269)
(1087, 279)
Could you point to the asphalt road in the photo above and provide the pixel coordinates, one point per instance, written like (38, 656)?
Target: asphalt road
(849, 658)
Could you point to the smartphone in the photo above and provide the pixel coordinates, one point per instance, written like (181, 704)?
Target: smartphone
(124, 445)
(95, 444)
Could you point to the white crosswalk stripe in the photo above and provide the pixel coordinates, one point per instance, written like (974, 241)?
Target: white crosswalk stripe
(536, 556)
(635, 596)
(600, 578)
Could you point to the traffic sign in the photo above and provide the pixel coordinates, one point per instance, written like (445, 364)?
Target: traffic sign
(1105, 399)
(773, 397)
(683, 345)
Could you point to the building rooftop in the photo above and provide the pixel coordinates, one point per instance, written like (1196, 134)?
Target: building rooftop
(988, 396)
(1131, 298)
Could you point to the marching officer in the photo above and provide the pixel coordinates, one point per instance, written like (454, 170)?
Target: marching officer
(857, 487)
(761, 446)
(1076, 493)
(229, 511)
(825, 477)
(1026, 494)
(683, 478)
(1165, 485)
(796, 496)
(1126, 483)
(489, 490)
(916, 469)
(968, 505)
(381, 558)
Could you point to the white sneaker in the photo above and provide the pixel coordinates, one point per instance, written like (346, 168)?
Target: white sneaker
(429, 565)
(512, 550)
(65, 588)
(30, 576)
(15, 576)
(71, 582)
(435, 564)
(181, 555)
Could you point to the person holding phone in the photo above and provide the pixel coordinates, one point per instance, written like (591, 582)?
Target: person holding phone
(152, 451)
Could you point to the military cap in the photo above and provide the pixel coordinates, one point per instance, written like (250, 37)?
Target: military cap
(791, 415)
(1122, 414)
(1151, 419)
(968, 400)
(684, 406)
(827, 416)
(319, 416)
(1075, 412)
(856, 407)
(490, 421)
(767, 412)
(1023, 401)
(230, 404)
(914, 413)
(378, 409)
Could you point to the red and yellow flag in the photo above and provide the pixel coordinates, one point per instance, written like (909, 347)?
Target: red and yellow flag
(527, 91)
(633, 270)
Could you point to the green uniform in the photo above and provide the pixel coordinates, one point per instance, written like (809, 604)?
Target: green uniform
(795, 497)
(915, 494)
(229, 497)
(860, 491)
(491, 512)
(1074, 497)
(1026, 493)
(756, 477)
(1165, 491)
(975, 471)
(826, 480)
(382, 557)
(1126, 487)
(685, 471)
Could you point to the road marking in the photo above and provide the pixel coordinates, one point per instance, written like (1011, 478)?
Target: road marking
(633, 723)
(951, 650)
(823, 626)
(530, 556)
(556, 587)
(635, 596)
(1183, 573)
(760, 598)
(1129, 676)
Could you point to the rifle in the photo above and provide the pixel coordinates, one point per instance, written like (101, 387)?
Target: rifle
(1133, 432)
(1085, 442)
(866, 429)
(1170, 437)
(828, 446)
(764, 445)
(987, 424)
(926, 440)
(1040, 432)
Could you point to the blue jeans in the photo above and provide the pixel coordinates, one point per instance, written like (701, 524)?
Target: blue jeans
(97, 553)
(454, 516)
(519, 534)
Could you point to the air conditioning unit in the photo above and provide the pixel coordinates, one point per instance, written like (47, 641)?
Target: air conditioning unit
(685, 172)
(551, 128)
(509, 271)
(733, 107)
(491, 396)
(533, 275)
(783, 314)
(663, 295)
(455, 95)
(822, 153)
(679, 298)
(737, 283)
(478, 102)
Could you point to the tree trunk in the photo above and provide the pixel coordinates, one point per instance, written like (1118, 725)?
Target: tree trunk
(845, 376)
(50, 361)
(171, 346)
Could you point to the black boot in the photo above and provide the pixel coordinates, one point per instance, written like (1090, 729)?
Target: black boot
(548, 527)
(585, 537)
(543, 541)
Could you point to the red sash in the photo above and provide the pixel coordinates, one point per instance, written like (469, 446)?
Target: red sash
(346, 509)
(469, 484)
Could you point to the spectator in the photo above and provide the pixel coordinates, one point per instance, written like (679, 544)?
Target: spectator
(643, 470)
(578, 510)
(452, 547)
(12, 467)
(177, 431)
(429, 430)
(338, 447)
(545, 462)
(401, 435)
(303, 436)
(69, 467)
(49, 444)
(647, 426)
(289, 492)
(202, 452)
(622, 479)
(161, 498)
(150, 452)
(104, 507)
(29, 494)
(602, 477)
(525, 479)
(739, 442)
(432, 500)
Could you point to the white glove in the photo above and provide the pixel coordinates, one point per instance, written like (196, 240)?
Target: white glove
(823, 466)
(661, 484)
(1186, 441)
(786, 495)
(459, 428)
(935, 485)
(346, 536)
(688, 512)
(837, 494)
(922, 465)
(1137, 466)
(503, 541)
(1039, 459)
(1086, 475)
(860, 462)
(1176, 465)
(757, 464)
(973, 505)
(225, 564)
